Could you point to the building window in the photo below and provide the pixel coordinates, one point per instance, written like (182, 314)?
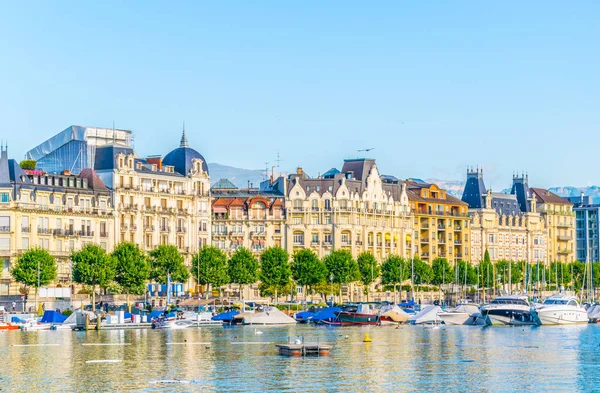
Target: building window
(328, 238)
(25, 243)
(315, 238)
(298, 238)
(297, 220)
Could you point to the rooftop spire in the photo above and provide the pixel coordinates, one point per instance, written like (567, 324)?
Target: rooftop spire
(184, 141)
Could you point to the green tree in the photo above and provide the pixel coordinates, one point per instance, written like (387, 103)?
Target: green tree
(242, 268)
(166, 260)
(441, 272)
(459, 273)
(502, 269)
(422, 271)
(209, 267)
(369, 269)
(486, 270)
(275, 271)
(394, 270)
(343, 267)
(307, 269)
(28, 164)
(25, 271)
(94, 267)
(132, 269)
(577, 270)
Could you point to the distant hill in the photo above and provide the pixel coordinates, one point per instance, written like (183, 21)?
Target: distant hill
(240, 177)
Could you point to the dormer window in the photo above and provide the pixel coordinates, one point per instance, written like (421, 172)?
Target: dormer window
(120, 163)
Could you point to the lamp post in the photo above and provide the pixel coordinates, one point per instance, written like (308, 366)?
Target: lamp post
(331, 280)
(38, 286)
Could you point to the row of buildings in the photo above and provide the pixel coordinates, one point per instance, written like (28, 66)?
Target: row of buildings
(91, 186)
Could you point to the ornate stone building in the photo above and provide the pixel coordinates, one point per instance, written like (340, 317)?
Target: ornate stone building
(158, 200)
(250, 218)
(441, 223)
(59, 213)
(500, 226)
(355, 209)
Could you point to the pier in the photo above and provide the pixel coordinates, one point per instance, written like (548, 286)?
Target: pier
(304, 349)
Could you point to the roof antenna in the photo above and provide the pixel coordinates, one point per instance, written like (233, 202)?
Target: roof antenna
(278, 162)
(266, 170)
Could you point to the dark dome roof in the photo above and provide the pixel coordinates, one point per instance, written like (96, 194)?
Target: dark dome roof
(181, 158)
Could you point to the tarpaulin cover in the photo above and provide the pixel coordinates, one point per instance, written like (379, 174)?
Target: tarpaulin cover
(225, 316)
(51, 316)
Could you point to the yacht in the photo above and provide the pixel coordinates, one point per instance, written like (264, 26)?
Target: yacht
(463, 314)
(508, 310)
(560, 310)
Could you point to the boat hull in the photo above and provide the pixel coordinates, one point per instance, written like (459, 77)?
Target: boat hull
(456, 318)
(499, 317)
(350, 318)
(561, 317)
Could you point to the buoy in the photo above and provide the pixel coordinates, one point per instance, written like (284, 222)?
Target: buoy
(367, 338)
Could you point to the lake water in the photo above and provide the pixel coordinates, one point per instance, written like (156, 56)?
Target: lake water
(411, 358)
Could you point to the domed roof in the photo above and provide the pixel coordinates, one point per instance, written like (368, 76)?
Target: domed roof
(181, 158)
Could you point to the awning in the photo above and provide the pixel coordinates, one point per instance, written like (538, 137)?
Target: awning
(219, 209)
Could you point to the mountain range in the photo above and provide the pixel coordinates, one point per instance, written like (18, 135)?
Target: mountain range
(243, 177)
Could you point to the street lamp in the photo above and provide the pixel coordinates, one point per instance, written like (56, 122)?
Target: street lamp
(331, 280)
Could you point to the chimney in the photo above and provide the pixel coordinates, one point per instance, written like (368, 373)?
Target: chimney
(299, 170)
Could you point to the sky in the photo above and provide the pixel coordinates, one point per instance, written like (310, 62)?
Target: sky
(432, 87)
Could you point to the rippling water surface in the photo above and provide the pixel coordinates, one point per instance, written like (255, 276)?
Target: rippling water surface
(411, 358)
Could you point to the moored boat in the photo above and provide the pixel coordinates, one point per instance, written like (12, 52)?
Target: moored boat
(427, 316)
(362, 314)
(560, 310)
(463, 314)
(269, 315)
(508, 310)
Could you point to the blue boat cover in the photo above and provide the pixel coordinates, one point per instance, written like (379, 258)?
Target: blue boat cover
(327, 314)
(225, 316)
(155, 314)
(304, 314)
(17, 320)
(51, 316)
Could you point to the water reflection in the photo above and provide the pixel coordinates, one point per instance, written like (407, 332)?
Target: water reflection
(406, 359)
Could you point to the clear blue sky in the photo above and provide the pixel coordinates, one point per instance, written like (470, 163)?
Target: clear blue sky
(432, 86)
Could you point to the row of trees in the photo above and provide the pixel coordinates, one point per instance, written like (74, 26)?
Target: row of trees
(127, 269)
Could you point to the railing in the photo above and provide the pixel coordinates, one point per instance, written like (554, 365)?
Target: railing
(358, 243)
(164, 229)
(4, 229)
(565, 238)
(442, 227)
(388, 244)
(149, 228)
(25, 229)
(103, 234)
(44, 231)
(424, 227)
(458, 242)
(564, 225)
(458, 228)
(124, 227)
(181, 230)
(133, 227)
(564, 252)
(313, 243)
(441, 241)
(86, 233)
(327, 244)
(257, 233)
(425, 241)
(346, 244)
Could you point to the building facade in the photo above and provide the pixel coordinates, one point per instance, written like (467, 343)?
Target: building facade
(499, 226)
(441, 223)
(59, 213)
(355, 209)
(587, 219)
(157, 200)
(250, 218)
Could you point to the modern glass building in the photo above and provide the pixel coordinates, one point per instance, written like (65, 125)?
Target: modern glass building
(587, 215)
(74, 148)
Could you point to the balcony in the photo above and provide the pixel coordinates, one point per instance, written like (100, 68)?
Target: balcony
(86, 233)
(236, 233)
(458, 242)
(5, 229)
(346, 244)
(25, 229)
(103, 234)
(149, 228)
(564, 225)
(124, 227)
(441, 227)
(258, 233)
(133, 227)
(564, 252)
(44, 231)
(165, 229)
(565, 238)
(425, 241)
(388, 244)
(441, 241)
(327, 243)
(458, 255)
(181, 230)
(359, 243)
(458, 228)
(424, 227)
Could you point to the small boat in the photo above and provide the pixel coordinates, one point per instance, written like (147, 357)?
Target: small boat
(226, 317)
(9, 326)
(393, 315)
(427, 316)
(269, 315)
(307, 315)
(463, 314)
(360, 314)
(33, 325)
(508, 310)
(172, 324)
(560, 310)
(327, 315)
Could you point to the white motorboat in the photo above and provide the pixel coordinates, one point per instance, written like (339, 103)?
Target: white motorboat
(594, 313)
(428, 315)
(560, 310)
(172, 324)
(463, 314)
(33, 325)
(268, 316)
(508, 310)
(393, 315)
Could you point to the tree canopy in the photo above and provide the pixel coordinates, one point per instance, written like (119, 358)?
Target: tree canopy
(93, 266)
(243, 267)
(275, 271)
(462, 267)
(394, 270)
(25, 270)
(441, 271)
(422, 272)
(307, 268)
(165, 260)
(343, 267)
(209, 266)
(131, 266)
(369, 268)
